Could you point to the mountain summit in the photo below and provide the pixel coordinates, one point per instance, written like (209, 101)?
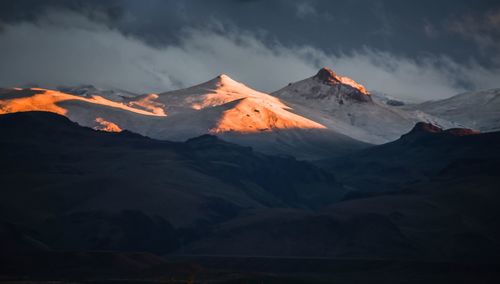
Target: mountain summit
(327, 85)
(220, 106)
(237, 113)
(224, 105)
(329, 77)
(215, 92)
(345, 106)
(326, 75)
(425, 128)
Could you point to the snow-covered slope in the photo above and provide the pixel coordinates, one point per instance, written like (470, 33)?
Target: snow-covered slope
(221, 106)
(90, 90)
(387, 99)
(346, 107)
(477, 110)
(218, 91)
(237, 113)
(225, 105)
(92, 110)
(241, 110)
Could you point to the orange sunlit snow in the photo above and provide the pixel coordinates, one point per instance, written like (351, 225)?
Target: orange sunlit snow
(48, 100)
(106, 125)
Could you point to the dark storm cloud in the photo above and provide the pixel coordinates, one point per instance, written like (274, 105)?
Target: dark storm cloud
(400, 48)
(32, 10)
(393, 26)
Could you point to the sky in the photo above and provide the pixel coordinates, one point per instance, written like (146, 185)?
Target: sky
(414, 50)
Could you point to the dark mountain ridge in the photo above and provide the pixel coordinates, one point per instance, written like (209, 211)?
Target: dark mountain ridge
(69, 176)
(91, 202)
(419, 155)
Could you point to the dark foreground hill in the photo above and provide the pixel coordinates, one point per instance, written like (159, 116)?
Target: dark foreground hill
(78, 204)
(423, 154)
(58, 174)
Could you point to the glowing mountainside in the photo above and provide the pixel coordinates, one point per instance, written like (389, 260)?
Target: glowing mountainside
(35, 99)
(322, 115)
(221, 106)
(239, 109)
(226, 106)
(92, 111)
(346, 107)
(237, 113)
(218, 91)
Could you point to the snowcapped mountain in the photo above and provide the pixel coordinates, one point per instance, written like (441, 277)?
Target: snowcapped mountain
(477, 110)
(324, 115)
(346, 107)
(91, 110)
(221, 106)
(225, 105)
(237, 113)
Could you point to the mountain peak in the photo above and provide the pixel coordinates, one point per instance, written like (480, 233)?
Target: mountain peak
(425, 128)
(224, 78)
(327, 76)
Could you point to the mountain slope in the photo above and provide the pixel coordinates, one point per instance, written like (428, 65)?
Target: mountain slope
(432, 194)
(344, 106)
(422, 153)
(56, 167)
(67, 188)
(221, 106)
(218, 91)
(88, 110)
(226, 106)
(477, 110)
(239, 114)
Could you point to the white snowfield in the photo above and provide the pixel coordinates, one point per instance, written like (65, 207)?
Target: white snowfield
(221, 106)
(476, 110)
(323, 115)
(351, 110)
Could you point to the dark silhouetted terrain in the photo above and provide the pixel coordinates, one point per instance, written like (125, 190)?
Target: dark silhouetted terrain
(84, 205)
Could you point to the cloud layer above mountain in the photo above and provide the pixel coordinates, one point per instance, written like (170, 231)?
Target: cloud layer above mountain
(65, 48)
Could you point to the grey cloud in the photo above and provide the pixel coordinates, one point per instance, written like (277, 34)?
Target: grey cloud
(80, 51)
(333, 26)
